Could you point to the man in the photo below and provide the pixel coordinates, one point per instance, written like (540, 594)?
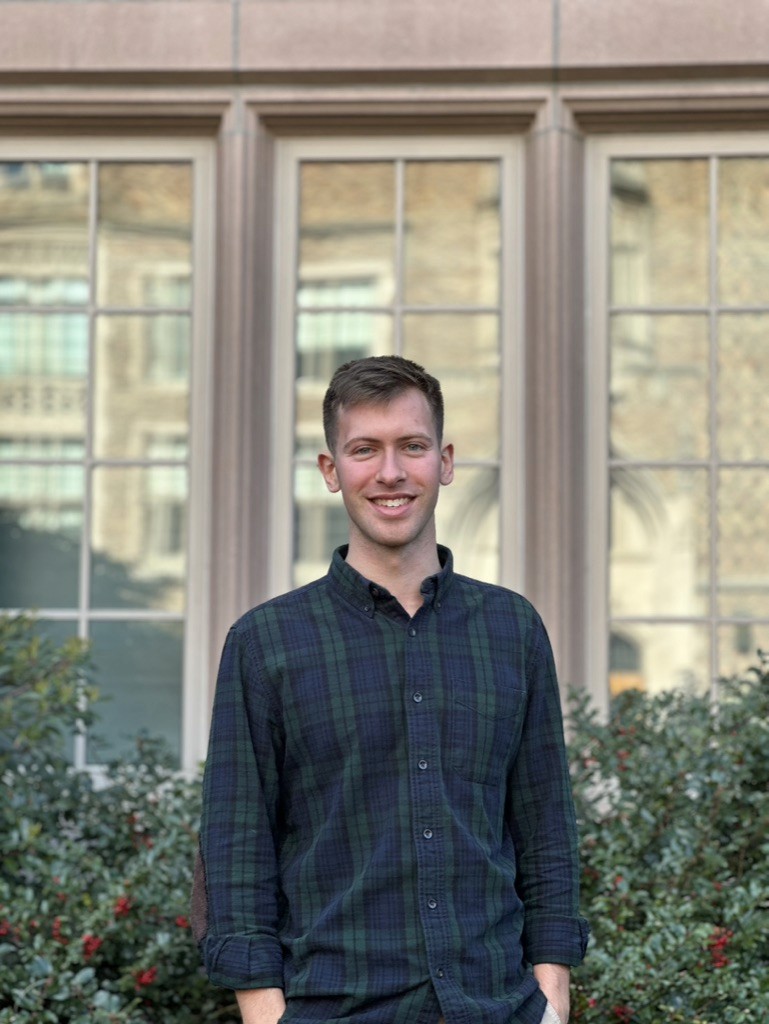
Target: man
(388, 835)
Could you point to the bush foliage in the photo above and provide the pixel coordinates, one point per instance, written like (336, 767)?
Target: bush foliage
(94, 879)
(672, 795)
(673, 800)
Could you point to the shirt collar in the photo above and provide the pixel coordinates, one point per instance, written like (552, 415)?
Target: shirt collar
(367, 594)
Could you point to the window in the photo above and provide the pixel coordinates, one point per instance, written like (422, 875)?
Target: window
(401, 246)
(681, 447)
(102, 310)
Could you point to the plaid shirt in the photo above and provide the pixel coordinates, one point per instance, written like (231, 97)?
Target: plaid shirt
(388, 832)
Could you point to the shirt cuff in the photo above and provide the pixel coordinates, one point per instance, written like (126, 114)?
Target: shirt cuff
(243, 962)
(555, 940)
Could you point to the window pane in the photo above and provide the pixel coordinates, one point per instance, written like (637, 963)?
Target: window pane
(41, 515)
(324, 342)
(659, 657)
(467, 519)
(743, 231)
(743, 542)
(144, 243)
(452, 233)
(659, 399)
(43, 370)
(44, 234)
(138, 669)
(376, 238)
(660, 537)
(320, 524)
(743, 387)
(462, 351)
(139, 537)
(142, 382)
(346, 234)
(738, 646)
(659, 232)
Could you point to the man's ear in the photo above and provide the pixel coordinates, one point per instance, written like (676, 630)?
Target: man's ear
(447, 463)
(327, 466)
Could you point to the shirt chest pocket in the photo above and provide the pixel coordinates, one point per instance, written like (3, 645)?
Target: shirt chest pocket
(485, 729)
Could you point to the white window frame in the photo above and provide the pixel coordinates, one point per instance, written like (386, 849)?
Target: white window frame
(290, 152)
(201, 154)
(601, 151)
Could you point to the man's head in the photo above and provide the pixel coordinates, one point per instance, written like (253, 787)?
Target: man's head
(376, 380)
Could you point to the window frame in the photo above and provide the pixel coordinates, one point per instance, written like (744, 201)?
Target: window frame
(289, 153)
(200, 153)
(601, 150)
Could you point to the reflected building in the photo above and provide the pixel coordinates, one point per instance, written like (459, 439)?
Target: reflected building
(95, 287)
(689, 547)
(202, 215)
(402, 257)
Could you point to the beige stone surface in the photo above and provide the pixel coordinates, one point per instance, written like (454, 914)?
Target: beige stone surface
(398, 34)
(116, 36)
(662, 33)
(285, 36)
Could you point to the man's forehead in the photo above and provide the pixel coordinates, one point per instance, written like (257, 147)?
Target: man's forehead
(411, 403)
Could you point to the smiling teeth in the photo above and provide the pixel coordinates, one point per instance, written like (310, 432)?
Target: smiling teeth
(392, 502)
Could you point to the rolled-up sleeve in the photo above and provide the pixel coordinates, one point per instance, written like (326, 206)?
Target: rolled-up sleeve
(237, 911)
(542, 820)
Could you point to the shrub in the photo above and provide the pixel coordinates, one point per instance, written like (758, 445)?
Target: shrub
(673, 801)
(94, 879)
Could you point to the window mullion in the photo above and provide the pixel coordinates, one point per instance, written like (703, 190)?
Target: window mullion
(84, 590)
(713, 423)
(400, 249)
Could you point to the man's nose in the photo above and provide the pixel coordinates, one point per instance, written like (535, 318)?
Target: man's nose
(390, 467)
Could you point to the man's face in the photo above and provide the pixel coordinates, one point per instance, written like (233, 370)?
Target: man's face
(389, 466)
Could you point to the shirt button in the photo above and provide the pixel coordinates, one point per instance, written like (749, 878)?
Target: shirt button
(439, 972)
(412, 631)
(417, 698)
(432, 904)
(428, 833)
(422, 764)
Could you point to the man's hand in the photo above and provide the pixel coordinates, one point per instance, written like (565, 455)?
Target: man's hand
(554, 981)
(261, 1005)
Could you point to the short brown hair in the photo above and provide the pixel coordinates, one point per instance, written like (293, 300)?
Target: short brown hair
(376, 380)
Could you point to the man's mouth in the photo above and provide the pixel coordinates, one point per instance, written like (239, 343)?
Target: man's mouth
(391, 502)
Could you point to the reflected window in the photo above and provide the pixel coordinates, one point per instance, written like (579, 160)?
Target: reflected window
(688, 456)
(95, 356)
(402, 256)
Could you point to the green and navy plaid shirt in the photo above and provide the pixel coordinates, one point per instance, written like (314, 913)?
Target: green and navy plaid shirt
(388, 830)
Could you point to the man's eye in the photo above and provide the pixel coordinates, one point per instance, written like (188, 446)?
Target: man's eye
(415, 446)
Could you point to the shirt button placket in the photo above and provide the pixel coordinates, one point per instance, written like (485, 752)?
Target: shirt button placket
(425, 782)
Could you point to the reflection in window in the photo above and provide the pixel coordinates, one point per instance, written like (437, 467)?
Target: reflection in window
(50, 345)
(168, 342)
(625, 664)
(402, 256)
(332, 329)
(688, 457)
(95, 429)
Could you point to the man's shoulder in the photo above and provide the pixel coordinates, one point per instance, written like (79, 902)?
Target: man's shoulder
(283, 607)
(495, 596)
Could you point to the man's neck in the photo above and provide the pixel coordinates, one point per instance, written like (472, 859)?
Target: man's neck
(400, 570)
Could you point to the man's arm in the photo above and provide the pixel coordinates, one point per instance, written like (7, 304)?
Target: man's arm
(261, 1005)
(554, 981)
(540, 814)
(237, 881)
